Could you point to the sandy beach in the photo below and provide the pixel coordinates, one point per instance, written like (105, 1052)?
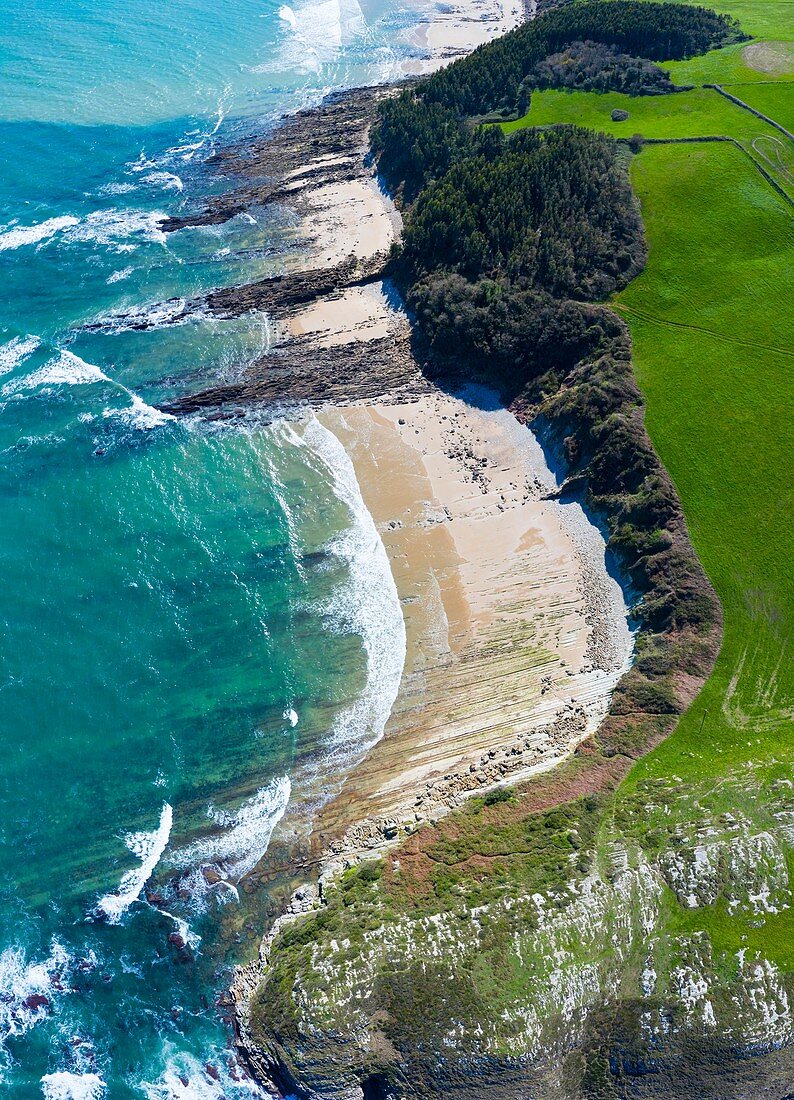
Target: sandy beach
(516, 633)
(454, 29)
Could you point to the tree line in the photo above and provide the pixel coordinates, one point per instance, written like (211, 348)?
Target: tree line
(424, 130)
(507, 243)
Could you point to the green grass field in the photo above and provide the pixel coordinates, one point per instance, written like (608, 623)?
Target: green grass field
(702, 112)
(713, 349)
(734, 64)
(759, 18)
(720, 408)
(775, 99)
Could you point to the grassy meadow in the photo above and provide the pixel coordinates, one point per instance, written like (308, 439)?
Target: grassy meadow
(702, 112)
(714, 355)
(713, 351)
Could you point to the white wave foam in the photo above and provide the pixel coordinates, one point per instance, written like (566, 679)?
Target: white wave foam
(148, 847)
(72, 1086)
(320, 30)
(15, 236)
(186, 1078)
(107, 227)
(142, 164)
(174, 311)
(168, 180)
(367, 604)
(27, 991)
(291, 716)
(67, 369)
(12, 353)
(112, 227)
(117, 188)
(120, 275)
(139, 414)
(244, 838)
(192, 939)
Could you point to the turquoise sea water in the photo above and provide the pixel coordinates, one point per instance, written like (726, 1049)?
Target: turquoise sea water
(197, 621)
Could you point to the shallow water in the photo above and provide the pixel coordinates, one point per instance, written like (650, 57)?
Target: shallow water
(198, 620)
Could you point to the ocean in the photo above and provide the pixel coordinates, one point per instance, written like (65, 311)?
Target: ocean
(200, 631)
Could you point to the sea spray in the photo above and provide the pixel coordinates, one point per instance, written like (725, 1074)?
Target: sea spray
(148, 847)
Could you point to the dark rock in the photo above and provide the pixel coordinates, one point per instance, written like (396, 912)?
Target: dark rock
(619, 116)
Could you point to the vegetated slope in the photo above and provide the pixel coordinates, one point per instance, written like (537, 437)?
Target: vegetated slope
(582, 936)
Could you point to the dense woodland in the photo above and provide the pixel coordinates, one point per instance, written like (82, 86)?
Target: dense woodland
(508, 242)
(596, 67)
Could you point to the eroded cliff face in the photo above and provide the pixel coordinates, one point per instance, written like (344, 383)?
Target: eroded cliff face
(615, 979)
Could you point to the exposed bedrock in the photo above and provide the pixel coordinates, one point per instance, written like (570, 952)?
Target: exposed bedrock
(312, 148)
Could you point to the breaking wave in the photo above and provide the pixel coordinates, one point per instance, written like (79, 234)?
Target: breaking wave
(186, 1078)
(27, 991)
(318, 31)
(148, 847)
(139, 414)
(16, 236)
(174, 311)
(240, 843)
(72, 1086)
(13, 353)
(112, 228)
(67, 369)
(168, 180)
(367, 604)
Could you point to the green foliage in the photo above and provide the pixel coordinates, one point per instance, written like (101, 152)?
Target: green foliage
(552, 209)
(499, 794)
(596, 67)
(421, 132)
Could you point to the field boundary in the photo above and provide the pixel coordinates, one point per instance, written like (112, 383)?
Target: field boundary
(713, 138)
(698, 328)
(740, 103)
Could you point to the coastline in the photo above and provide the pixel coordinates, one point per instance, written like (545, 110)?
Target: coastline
(511, 654)
(516, 634)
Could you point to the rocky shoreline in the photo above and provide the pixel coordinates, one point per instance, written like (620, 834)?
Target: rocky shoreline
(313, 151)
